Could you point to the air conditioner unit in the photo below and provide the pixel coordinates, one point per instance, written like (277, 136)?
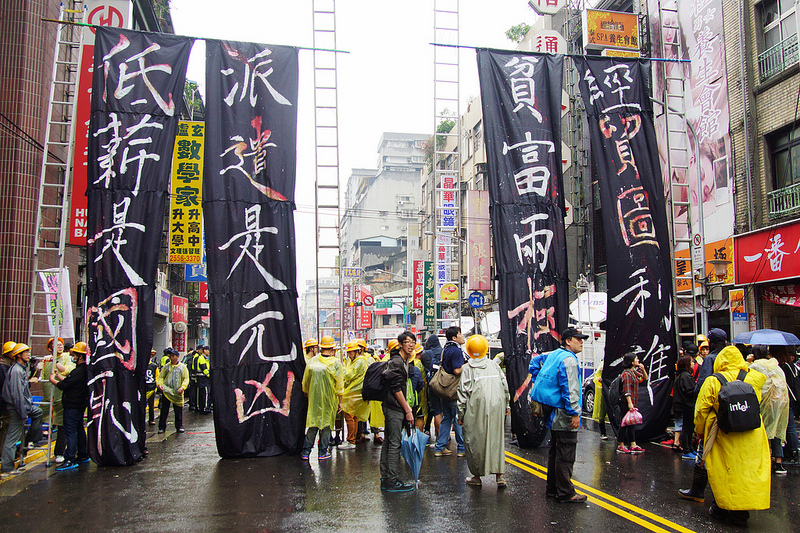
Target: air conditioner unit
(179, 327)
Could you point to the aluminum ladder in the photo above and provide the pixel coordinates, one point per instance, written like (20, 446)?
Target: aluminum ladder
(326, 186)
(447, 153)
(52, 212)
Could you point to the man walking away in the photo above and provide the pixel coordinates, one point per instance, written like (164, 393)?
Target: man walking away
(452, 363)
(396, 412)
(561, 366)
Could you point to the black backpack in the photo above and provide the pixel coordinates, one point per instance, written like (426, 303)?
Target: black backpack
(738, 405)
(614, 395)
(374, 388)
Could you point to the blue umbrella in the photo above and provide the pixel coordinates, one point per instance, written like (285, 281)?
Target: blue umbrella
(770, 337)
(413, 448)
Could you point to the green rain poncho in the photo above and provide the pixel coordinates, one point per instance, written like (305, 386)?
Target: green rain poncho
(323, 382)
(352, 403)
(482, 403)
(774, 398)
(173, 378)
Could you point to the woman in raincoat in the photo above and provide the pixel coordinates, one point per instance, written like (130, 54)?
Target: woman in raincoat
(774, 402)
(64, 365)
(483, 400)
(172, 380)
(738, 464)
(323, 382)
(355, 408)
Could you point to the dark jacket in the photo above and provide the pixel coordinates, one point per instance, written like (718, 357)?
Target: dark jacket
(452, 356)
(706, 369)
(395, 375)
(3, 372)
(433, 350)
(76, 388)
(792, 374)
(683, 392)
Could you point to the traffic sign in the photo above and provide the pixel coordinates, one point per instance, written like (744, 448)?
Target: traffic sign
(476, 300)
(384, 304)
(369, 300)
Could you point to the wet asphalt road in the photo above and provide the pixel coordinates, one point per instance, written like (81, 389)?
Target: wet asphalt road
(184, 486)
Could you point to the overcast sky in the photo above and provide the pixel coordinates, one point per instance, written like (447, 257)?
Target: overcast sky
(385, 81)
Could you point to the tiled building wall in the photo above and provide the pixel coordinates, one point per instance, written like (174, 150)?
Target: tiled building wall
(25, 68)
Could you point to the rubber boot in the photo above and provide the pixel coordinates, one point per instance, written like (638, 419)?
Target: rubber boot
(699, 482)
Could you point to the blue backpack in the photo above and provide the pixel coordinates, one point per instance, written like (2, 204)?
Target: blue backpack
(546, 389)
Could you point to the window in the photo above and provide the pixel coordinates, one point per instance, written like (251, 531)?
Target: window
(405, 199)
(386, 319)
(779, 34)
(785, 158)
(477, 135)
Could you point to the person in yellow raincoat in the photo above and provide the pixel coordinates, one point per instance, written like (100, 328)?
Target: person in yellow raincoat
(355, 408)
(310, 349)
(421, 409)
(63, 365)
(738, 464)
(323, 383)
(172, 380)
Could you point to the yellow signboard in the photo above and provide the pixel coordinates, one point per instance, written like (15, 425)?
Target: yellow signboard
(719, 250)
(737, 300)
(610, 29)
(186, 201)
(608, 52)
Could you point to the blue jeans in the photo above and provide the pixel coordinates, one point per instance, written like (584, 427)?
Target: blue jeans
(791, 436)
(75, 434)
(449, 412)
(324, 440)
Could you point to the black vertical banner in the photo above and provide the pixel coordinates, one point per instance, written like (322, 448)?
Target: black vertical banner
(131, 133)
(619, 112)
(521, 99)
(248, 193)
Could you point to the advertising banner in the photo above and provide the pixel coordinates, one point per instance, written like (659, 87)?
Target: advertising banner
(418, 287)
(772, 254)
(60, 320)
(131, 135)
(521, 98)
(429, 298)
(479, 261)
(640, 313)
(248, 191)
(186, 201)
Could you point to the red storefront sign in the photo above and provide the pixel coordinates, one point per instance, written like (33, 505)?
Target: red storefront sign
(782, 295)
(180, 309)
(419, 284)
(768, 255)
(202, 297)
(364, 313)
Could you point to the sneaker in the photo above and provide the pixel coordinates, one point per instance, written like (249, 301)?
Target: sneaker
(636, 450)
(577, 498)
(779, 469)
(691, 456)
(442, 453)
(669, 442)
(462, 453)
(326, 455)
(304, 457)
(180, 430)
(59, 459)
(623, 449)
(160, 431)
(82, 460)
(347, 446)
(66, 465)
(399, 486)
(378, 440)
(603, 437)
(151, 423)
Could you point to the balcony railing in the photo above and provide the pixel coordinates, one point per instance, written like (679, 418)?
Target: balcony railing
(784, 202)
(778, 58)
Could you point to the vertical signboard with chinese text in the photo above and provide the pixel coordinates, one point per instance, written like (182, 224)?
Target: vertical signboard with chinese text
(521, 98)
(640, 301)
(429, 298)
(185, 203)
(478, 245)
(131, 134)
(248, 191)
(111, 13)
(418, 286)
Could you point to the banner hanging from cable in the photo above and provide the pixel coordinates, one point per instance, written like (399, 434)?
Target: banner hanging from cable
(640, 314)
(248, 188)
(521, 100)
(132, 130)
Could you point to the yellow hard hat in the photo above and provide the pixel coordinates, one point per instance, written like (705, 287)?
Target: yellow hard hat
(8, 346)
(19, 348)
(309, 343)
(352, 346)
(393, 344)
(362, 343)
(80, 347)
(477, 346)
(417, 349)
(50, 343)
(327, 342)
(701, 338)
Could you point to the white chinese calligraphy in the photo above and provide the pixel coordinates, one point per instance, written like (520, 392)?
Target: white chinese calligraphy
(256, 68)
(641, 294)
(257, 328)
(534, 246)
(523, 87)
(115, 240)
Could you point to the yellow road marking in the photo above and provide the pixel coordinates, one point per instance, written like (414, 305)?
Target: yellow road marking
(541, 472)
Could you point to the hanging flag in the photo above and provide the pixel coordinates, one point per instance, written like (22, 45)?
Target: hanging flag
(640, 312)
(131, 133)
(248, 191)
(521, 99)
